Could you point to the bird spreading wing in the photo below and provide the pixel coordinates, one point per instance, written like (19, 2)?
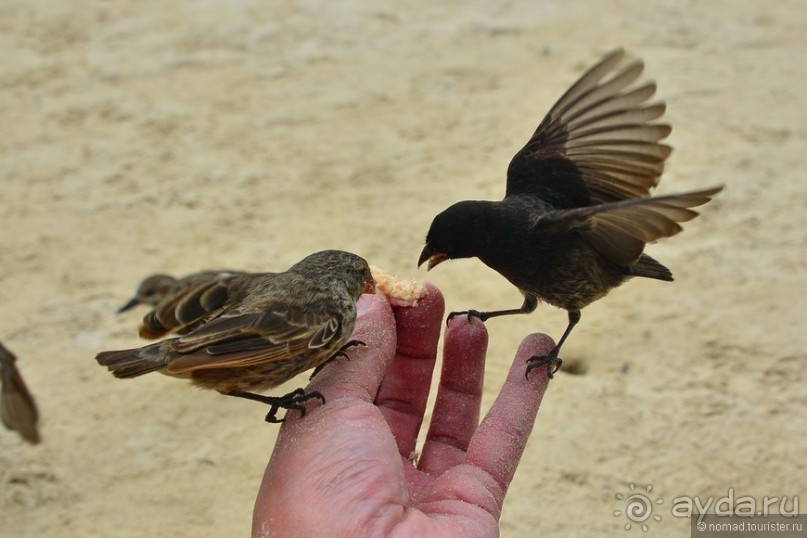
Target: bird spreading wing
(620, 230)
(598, 143)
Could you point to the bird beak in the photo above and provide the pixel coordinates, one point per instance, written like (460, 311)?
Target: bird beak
(128, 306)
(369, 286)
(434, 258)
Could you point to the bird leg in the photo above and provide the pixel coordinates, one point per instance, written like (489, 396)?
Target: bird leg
(530, 303)
(551, 360)
(292, 400)
(340, 353)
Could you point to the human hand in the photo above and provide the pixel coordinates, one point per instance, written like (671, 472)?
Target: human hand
(346, 467)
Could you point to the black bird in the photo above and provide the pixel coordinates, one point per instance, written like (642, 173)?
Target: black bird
(576, 213)
(249, 332)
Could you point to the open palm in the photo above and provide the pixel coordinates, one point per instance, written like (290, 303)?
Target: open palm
(349, 468)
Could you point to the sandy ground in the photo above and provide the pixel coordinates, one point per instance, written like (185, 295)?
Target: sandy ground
(143, 136)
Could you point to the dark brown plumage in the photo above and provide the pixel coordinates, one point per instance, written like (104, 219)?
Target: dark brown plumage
(253, 331)
(154, 288)
(576, 215)
(18, 409)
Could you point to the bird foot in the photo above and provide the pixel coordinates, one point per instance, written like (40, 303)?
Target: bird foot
(340, 353)
(482, 316)
(551, 361)
(293, 400)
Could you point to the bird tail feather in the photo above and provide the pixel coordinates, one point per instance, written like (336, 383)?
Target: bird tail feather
(649, 268)
(127, 363)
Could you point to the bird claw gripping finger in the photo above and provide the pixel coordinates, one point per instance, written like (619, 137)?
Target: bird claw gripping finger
(470, 313)
(340, 353)
(552, 362)
(291, 401)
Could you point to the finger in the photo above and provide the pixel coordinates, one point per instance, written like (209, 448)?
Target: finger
(498, 443)
(361, 374)
(405, 389)
(459, 396)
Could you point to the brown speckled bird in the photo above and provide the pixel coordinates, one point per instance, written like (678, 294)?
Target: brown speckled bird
(247, 333)
(577, 214)
(154, 288)
(17, 406)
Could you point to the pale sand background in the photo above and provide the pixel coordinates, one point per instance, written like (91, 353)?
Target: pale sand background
(174, 136)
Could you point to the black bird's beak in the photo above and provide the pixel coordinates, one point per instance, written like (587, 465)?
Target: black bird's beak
(434, 258)
(128, 306)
